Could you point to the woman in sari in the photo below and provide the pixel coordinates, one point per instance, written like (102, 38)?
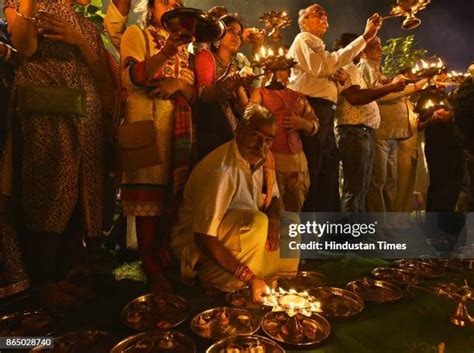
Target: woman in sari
(222, 96)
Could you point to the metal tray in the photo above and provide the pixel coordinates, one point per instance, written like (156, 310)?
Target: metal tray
(224, 322)
(155, 312)
(156, 342)
(375, 291)
(28, 323)
(314, 329)
(422, 268)
(257, 344)
(299, 281)
(80, 342)
(337, 303)
(241, 298)
(396, 275)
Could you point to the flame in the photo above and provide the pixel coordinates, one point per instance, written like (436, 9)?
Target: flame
(263, 51)
(270, 52)
(257, 57)
(280, 52)
(424, 64)
(440, 63)
(283, 13)
(429, 104)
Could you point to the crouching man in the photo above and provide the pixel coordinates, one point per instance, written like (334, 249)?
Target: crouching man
(224, 233)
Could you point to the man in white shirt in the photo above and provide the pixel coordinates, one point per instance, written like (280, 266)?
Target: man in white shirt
(222, 225)
(357, 116)
(315, 76)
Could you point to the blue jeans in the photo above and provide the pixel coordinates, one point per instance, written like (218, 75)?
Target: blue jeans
(357, 150)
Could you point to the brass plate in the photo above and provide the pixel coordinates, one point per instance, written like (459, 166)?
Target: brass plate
(337, 303)
(27, 323)
(241, 298)
(189, 21)
(314, 329)
(156, 342)
(299, 281)
(238, 322)
(396, 275)
(375, 291)
(80, 342)
(155, 312)
(257, 344)
(422, 268)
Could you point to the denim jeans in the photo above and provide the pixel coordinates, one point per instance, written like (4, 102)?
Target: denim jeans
(357, 149)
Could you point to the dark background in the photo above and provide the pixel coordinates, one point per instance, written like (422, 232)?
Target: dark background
(447, 28)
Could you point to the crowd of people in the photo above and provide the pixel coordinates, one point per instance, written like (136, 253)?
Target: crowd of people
(237, 155)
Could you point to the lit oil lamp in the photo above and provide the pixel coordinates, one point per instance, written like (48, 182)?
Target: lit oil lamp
(294, 317)
(269, 61)
(274, 21)
(408, 9)
(424, 69)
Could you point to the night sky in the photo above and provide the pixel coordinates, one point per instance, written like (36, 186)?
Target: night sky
(447, 28)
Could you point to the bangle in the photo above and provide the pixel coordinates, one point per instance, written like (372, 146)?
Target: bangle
(9, 53)
(24, 16)
(243, 273)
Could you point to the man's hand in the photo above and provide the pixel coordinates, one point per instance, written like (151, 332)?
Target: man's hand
(443, 116)
(399, 82)
(258, 288)
(273, 234)
(340, 76)
(374, 23)
(295, 122)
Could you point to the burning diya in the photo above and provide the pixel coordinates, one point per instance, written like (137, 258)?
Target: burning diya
(375, 291)
(396, 275)
(294, 318)
(408, 9)
(298, 281)
(156, 342)
(155, 312)
(424, 69)
(270, 61)
(274, 21)
(462, 294)
(422, 268)
(245, 344)
(223, 322)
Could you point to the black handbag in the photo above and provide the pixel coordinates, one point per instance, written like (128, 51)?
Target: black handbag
(45, 99)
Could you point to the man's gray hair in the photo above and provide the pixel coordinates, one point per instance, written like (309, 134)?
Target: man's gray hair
(256, 112)
(301, 17)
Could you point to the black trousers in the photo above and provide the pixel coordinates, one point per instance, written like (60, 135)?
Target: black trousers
(323, 161)
(446, 167)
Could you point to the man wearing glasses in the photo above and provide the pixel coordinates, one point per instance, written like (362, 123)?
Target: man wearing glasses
(315, 76)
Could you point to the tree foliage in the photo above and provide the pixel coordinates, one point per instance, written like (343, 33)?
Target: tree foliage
(400, 53)
(93, 12)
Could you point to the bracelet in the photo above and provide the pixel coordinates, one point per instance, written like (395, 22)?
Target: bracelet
(243, 273)
(25, 17)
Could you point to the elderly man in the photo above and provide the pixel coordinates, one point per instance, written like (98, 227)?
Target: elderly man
(315, 77)
(394, 127)
(222, 226)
